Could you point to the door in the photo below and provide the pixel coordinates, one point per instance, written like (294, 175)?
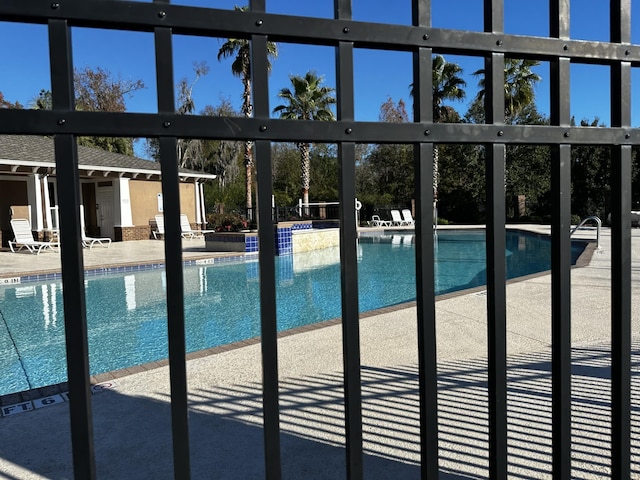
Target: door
(104, 205)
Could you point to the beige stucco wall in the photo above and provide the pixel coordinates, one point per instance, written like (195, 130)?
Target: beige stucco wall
(144, 200)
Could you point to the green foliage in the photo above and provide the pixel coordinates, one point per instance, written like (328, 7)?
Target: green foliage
(309, 100)
(519, 88)
(229, 197)
(97, 90)
(461, 190)
(226, 222)
(286, 173)
(447, 85)
(392, 166)
(110, 144)
(324, 173)
(590, 178)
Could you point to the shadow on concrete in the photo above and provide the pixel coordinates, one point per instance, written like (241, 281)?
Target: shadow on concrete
(133, 440)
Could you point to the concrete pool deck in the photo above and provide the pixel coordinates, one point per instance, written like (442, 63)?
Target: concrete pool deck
(132, 419)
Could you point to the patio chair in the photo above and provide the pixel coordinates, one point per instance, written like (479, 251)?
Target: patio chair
(407, 217)
(187, 231)
(91, 241)
(396, 219)
(23, 238)
(376, 221)
(159, 226)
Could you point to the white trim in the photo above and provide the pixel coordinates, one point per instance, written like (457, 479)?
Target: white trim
(90, 169)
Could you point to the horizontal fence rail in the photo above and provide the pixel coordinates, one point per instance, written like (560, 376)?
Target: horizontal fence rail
(345, 35)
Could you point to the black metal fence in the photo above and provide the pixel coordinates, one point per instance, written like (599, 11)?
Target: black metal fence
(165, 20)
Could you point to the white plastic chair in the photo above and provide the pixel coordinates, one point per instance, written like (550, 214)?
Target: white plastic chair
(187, 231)
(23, 238)
(396, 218)
(376, 221)
(91, 241)
(159, 226)
(407, 217)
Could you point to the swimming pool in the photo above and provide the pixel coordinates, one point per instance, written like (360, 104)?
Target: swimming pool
(126, 313)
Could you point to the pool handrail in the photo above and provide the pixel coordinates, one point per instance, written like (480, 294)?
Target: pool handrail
(596, 219)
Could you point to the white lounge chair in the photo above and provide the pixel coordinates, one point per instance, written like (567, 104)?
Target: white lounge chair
(91, 241)
(396, 219)
(376, 221)
(23, 238)
(159, 226)
(187, 231)
(407, 217)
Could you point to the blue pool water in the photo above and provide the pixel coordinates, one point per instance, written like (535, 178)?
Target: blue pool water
(126, 313)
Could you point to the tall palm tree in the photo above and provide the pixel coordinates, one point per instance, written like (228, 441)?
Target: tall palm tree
(308, 101)
(240, 49)
(519, 94)
(447, 85)
(519, 86)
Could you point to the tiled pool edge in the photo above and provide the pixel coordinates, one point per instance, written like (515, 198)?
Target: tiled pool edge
(126, 268)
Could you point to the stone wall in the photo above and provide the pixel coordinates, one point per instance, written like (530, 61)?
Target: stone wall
(308, 240)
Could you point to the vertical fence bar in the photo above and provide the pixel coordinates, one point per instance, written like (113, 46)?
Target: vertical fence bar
(496, 312)
(348, 256)
(621, 313)
(496, 247)
(621, 158)
(560, 252)
(561, 310)
(268, 307)
(173, 260)
(74, 301)
(424, 158)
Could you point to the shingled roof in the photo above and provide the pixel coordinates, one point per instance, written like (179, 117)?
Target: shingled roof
(34, 154)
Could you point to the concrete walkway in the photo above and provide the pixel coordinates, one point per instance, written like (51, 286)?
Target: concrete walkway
(132, 419)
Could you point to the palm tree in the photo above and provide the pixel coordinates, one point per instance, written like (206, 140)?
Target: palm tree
(240, 49)
(308, 101)
(519, 83)
(519, 93)
(447, 85)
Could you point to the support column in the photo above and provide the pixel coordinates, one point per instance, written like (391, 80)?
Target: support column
(123, 217)
(34, 195)
(47, 202)
(198, 201)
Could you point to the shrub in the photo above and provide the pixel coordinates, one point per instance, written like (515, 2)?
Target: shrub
(225, 222)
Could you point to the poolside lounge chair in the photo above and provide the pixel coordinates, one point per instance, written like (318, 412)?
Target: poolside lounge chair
(407, 217)
(23, 238)
(396, 219)
(159, 226)
(376, 221)
(187, 231)
(91, 241)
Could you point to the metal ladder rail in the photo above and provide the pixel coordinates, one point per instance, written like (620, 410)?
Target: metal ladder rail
(598, 227)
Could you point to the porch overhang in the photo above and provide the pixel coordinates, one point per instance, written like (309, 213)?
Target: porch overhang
(28, 167)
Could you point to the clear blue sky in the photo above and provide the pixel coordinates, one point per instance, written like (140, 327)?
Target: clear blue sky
(378, 74)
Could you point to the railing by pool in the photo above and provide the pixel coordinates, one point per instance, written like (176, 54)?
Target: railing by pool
(584, 221)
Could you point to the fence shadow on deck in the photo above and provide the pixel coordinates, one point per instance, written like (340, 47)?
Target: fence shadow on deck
(133, 433)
